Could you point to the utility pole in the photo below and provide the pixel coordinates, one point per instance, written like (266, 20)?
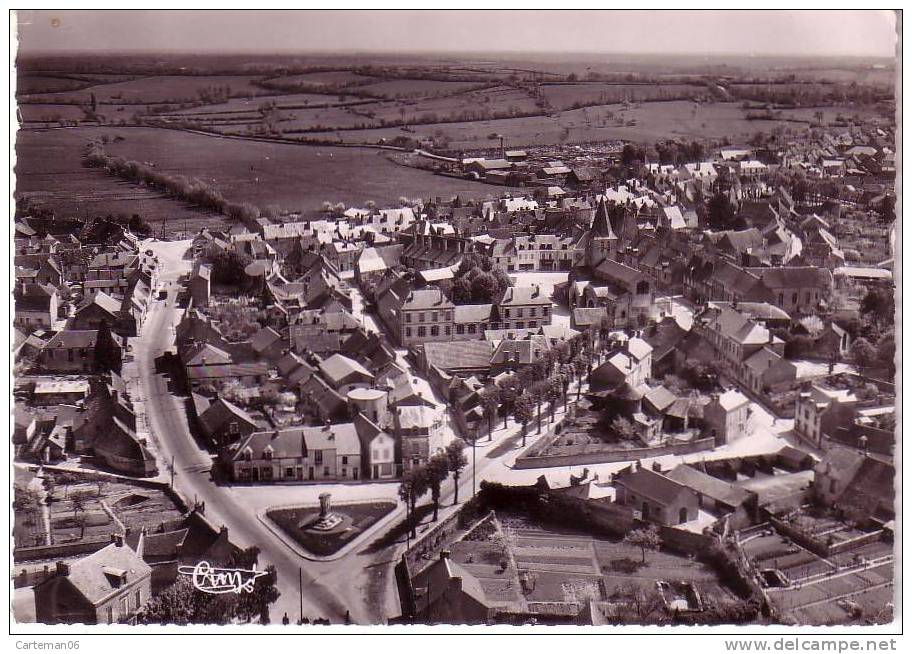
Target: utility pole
(172, 472)
(473, 466)
(408, 526)
(301, 593)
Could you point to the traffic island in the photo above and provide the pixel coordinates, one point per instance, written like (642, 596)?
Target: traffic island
(323, 531)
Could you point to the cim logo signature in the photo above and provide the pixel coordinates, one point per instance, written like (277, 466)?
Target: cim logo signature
(217, 581)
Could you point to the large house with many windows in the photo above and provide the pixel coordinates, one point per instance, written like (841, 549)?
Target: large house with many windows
(427, 315)
(330, 452)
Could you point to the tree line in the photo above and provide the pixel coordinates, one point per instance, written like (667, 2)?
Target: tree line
(190, 190)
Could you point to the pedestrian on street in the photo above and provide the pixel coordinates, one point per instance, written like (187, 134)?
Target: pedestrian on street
(285, 619)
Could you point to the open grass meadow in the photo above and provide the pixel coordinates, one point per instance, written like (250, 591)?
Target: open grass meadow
(49, 173)
(293, 177)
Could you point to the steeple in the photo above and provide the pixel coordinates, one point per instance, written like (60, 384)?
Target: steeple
(601, 225)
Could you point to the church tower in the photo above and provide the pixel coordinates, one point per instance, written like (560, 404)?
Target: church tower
(603, 242)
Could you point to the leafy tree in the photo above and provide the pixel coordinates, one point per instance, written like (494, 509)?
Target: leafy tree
(508, 397)
(523, 413)
(646, 538)
(228, 267)
(437, 471)
(581, 367)
(79, 500)
(886, 352)
(721, 214)
(456, 462)
(878, 305)
(490, 402)
(555, 392)
(798, 346)
(863, 352)
(539, 393)
(107, 354)
(255, 604)
(623, 428)
(412, 485)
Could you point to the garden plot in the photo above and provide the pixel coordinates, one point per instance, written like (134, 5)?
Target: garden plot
(555, 566)
(863, 594)
(140, 507)
(30, 528)
(76, 514)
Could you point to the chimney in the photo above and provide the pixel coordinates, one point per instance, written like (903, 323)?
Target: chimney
(656, 466)
(444, 554)
(63, 568)
(117, 539)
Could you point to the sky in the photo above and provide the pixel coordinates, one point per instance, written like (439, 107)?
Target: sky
(710, 32)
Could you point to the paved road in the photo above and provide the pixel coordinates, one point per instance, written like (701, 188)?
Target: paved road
(360, 582)
(168, 424)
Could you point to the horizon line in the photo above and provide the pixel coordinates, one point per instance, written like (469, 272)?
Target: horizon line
(478, 53)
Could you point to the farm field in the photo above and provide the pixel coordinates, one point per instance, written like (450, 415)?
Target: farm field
(159, 89)
(252, 105)
(408, 88)
(50, 113)
(647, 122)
(296, 177)
(49, 82)
(563, 96)
(49, 172)
(324, 78)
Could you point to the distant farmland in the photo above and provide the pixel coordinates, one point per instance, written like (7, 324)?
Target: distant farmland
(293, 177)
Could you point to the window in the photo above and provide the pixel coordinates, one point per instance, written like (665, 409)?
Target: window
(289, 473)
(345, 472)
(326, 471)
(794, 298)
(533, 323)
(532, 312)
(434, 317)
(138, 598)
(460, 329)
(472, 328)
(421, 317)
(345, 460)
(506, 313)
(422, 331)
(519, 313)
(446, 330)
(110, 615)
(408, 316)
(408, 332)
(545, 310)
(435, 330)
(318, 457)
